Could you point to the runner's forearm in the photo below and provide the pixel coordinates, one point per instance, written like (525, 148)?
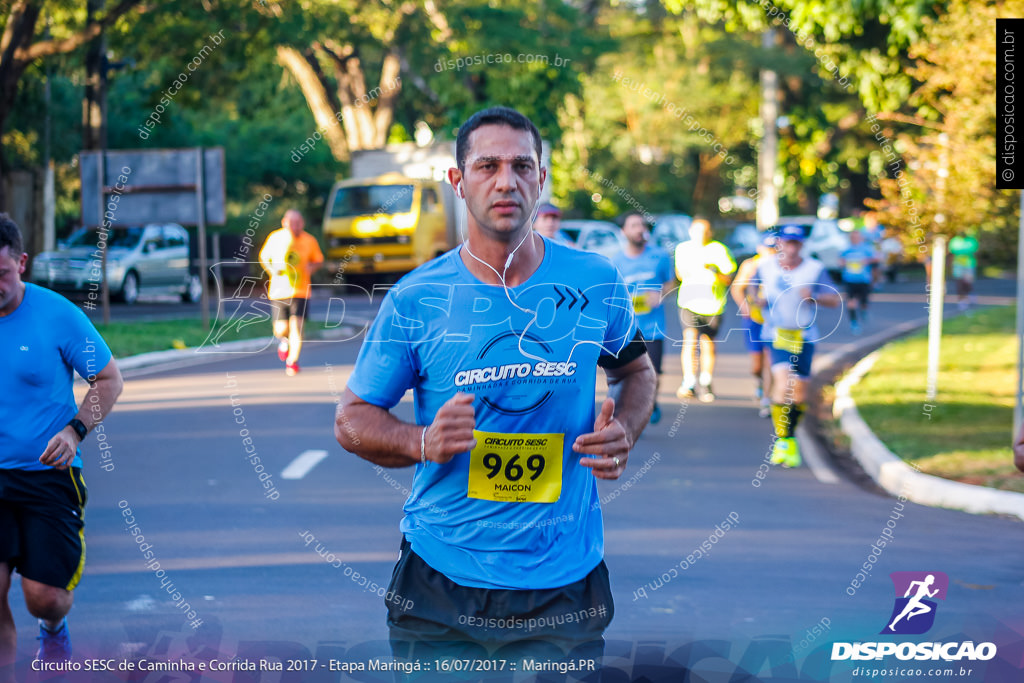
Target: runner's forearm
(101, 396)
(634, 394)
(376, 435)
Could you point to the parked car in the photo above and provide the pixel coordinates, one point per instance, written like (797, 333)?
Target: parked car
(152, 259)
(600, 237)
(670, 230)
(743, 241)
(825, 240)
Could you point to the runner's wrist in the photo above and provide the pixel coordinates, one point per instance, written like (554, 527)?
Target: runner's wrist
(423, 446)
(78, 428)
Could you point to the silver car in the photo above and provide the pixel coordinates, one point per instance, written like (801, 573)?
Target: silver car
(600, 237)
(151, 259)
(670, 230)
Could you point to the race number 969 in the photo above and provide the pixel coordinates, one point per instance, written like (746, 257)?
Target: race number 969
(516, 468)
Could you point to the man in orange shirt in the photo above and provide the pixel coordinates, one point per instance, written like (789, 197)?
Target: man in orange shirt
(290, 256)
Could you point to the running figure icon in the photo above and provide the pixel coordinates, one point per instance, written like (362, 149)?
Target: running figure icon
(914, 606)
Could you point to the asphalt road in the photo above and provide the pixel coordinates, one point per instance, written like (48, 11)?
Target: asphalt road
(775, 588)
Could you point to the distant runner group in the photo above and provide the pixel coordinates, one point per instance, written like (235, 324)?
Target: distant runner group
(777, 292)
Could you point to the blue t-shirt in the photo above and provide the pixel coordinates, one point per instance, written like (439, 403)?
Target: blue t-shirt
(646, 273)
(40, 342)
(858, 263)
(440, 331)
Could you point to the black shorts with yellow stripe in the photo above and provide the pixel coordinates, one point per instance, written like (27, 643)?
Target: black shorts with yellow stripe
(43, 525)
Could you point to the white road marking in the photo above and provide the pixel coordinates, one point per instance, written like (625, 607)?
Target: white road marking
(815, 459)
(301, 466)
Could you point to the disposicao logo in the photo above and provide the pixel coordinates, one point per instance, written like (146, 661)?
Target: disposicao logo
(913, 613)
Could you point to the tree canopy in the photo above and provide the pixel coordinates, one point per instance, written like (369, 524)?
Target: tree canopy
(645, 101)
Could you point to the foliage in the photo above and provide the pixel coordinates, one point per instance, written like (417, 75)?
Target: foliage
(699, 59)
(943, 180)
(965, 433)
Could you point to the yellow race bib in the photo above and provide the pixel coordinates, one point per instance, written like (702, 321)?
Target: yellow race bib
(754, 311)
(640, 306)
(791, 341)
(516, 468)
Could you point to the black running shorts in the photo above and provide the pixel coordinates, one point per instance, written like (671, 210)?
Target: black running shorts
(704, 324)
(283, 309)
(43, 526)
(426, 607)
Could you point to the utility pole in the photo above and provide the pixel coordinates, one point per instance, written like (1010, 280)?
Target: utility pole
(49, 194)
(94, 129)
(767, 192)
(937, 294)
(94, 104)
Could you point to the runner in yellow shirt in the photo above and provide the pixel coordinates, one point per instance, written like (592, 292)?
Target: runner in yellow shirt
(290, 256)
(704, 269)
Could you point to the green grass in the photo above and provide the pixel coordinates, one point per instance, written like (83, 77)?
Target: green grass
(965, 433)
(129, 339)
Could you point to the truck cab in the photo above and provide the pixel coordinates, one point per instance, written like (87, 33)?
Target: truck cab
(387, 225)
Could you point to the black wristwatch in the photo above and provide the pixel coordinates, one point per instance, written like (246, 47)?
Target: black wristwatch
(79, 428)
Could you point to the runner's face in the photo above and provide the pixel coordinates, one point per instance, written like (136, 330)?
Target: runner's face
(11, 269)
(700, 231)
(502, 180)
(294, 222)
(547, 224)
(789, 251)
(635, 231)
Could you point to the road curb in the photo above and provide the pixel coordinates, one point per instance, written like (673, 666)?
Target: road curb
(153, 358)
(900, 479)
(193, 355)
(825, 369)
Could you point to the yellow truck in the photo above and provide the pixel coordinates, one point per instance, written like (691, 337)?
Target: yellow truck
(395, 214)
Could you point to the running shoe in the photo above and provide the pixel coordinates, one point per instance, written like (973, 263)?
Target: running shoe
(794, 455)
(684, 391)
(656, 415)
(855, 327)
(282, 350)
(786, 453)
(54, 646)
(291, 369)
(766, 408)
(706, 395)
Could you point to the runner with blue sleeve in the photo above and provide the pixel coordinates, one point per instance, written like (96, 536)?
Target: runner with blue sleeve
(500, 340)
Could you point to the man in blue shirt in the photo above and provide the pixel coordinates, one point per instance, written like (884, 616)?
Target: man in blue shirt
(647, 270)
(43, 337)
(858, 263)
(500, 340)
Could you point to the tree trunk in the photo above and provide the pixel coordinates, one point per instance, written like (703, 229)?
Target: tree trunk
(21, 23)
(707, 188)
(317, 97)
(390, 86)
(364, 127)
(92, 103)
(17, 51)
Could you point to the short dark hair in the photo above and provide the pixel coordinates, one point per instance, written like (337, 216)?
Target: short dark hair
(626, 216)
(505, 116)
(10, 235)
